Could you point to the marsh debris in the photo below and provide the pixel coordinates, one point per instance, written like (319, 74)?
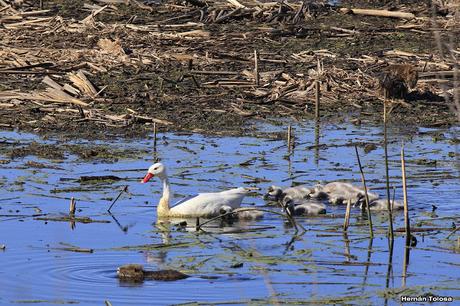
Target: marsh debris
(71, 219)
(98, 178)
(83, 83)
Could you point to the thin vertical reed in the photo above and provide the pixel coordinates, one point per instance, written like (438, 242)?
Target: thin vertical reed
(363, 179)
(406, 207)
(387, 175)
(317, 136)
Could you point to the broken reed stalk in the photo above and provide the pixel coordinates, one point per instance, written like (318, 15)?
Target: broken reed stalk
(366, 195)
(41, 4)
(125, 189)
(256, 68)
(406, 208)
(73, 207)
(387, 176)
(289, 138)
(346, 222)
(317, 98)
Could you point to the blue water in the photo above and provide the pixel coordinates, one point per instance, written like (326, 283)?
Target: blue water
(321, 266)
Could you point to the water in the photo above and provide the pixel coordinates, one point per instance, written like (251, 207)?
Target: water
(323, 266)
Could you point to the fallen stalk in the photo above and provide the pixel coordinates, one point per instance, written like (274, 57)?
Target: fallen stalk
(125, 189)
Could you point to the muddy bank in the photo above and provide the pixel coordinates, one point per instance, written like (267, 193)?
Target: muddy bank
(98, 71)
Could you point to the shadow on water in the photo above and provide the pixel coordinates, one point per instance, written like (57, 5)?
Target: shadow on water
(258, 262)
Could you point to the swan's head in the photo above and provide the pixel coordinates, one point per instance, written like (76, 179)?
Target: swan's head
(274, 193)
(288, 203)
(157, 169)
(318, 193)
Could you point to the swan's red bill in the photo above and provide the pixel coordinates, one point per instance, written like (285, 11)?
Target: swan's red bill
(147, 178)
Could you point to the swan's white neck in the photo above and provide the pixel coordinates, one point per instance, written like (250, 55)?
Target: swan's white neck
(163, 205)
(166, 187)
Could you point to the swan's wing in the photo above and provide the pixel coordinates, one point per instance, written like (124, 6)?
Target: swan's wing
(209, 203)
(184, 200)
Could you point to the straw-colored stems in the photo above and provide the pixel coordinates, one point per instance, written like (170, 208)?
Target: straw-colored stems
(406, 207)
(256, 68)
(366, 195)
(387, 175)
(73, 207)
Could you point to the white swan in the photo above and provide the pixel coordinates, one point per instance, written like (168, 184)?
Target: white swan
(201, 205)
(341, 193)
(297, 192)
(303, 207)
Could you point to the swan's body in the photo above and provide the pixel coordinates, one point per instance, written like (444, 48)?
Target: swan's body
(304, 207)
(297, 192)
(201, 205)
(382, 205)
(341, 193)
